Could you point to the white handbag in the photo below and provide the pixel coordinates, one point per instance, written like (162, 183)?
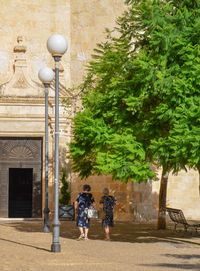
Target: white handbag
(91, 212)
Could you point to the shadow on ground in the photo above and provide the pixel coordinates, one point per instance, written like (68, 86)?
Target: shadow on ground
(22, 244)
(183, 266)
(175, 266)
(122, 232)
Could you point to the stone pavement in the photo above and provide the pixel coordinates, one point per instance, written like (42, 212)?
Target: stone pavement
(134, 247)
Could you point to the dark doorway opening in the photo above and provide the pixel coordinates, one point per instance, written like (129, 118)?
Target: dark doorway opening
(20, 192)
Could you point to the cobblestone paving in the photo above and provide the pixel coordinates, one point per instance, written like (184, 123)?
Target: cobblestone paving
(134, 247)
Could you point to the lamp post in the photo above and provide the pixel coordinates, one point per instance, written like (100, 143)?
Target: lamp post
(57, 46)
(46, 75)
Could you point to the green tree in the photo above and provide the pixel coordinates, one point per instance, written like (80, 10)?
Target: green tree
(64, 191)
(141, 96)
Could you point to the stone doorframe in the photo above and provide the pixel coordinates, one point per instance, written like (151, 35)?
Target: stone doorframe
(21, 153)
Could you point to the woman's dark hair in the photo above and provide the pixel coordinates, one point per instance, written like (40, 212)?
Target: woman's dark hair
(86, 187)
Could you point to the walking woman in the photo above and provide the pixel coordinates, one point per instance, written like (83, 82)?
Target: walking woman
(107, 203)
(84, 200)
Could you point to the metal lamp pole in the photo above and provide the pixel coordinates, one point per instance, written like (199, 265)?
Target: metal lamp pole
(46, 75)
(57, 46)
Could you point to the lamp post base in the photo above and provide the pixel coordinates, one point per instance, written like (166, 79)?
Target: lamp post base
(46, 227)
(55, 247)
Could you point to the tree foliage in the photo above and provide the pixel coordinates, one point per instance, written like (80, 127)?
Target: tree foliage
(141, 96)
(104, 142)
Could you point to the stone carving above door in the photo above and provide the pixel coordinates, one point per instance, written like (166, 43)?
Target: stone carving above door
(20, 150)
(20, 78)
(20, 84)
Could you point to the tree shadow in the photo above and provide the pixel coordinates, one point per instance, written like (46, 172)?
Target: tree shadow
(121, 232)
(177, 266)
(184, 256)
(184, 266)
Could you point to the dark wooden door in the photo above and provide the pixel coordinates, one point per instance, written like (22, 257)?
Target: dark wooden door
(20, 192)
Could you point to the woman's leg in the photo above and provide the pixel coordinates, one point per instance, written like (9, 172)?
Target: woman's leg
(86, 233)
(81, 232)
(107, 232)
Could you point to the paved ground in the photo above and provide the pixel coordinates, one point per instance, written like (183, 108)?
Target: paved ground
(135, 247)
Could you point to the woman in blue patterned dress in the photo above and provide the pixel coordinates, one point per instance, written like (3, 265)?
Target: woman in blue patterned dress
(84, 200)
(107, 203)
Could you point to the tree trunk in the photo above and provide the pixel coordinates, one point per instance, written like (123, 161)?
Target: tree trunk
(199, 180)
(161, 224)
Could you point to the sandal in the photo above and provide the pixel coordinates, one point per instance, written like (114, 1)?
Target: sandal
(81, 237)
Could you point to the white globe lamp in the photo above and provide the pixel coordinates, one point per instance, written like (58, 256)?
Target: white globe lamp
(57, 45)
(46, 75)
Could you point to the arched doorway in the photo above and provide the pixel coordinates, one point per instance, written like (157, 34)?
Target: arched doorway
(20, 177)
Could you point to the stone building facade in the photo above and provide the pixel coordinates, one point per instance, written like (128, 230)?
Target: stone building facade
(25, 27)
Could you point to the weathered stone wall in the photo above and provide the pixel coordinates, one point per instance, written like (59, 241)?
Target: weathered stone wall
(88, 22)
(35, 21)
(182, 193)
(142, 207)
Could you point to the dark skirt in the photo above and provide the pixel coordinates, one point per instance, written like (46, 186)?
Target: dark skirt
(108, 221)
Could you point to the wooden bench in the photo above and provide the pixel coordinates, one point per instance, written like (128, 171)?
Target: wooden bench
(177, 216)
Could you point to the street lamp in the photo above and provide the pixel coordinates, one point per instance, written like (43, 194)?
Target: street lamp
(57, 46)
(46, 75)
